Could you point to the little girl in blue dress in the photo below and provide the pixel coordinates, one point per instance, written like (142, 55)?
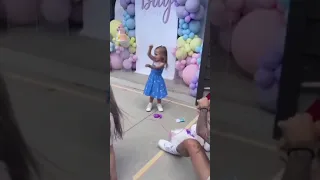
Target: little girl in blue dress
(156, 87)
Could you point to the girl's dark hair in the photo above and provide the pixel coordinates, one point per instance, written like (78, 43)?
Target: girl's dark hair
(165, 54)
(14, 151)
(116, 113)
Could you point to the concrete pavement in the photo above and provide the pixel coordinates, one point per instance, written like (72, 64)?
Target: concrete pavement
(67, 132)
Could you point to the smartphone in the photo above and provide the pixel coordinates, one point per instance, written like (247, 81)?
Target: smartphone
(314, 110)
(208, 96)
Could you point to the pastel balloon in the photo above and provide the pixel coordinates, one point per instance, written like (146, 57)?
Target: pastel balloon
(131, 9)
(135, 57)
(118, 52)
(188, 60)
(178, 65)
(184, 62)
(182, 66)
(132, 33)
(187, 19)
(192, 86)
(254, 35)
(181, 54)
(124, 4)
(181, 12)
(115, 61)
(187, 48)
(189, 72)
(180, 73)
(192, 6)
(132, 50)
(194, 80)
(114, 25)
(125, 54)
(133, 1)
(195, 26)
(195, 43)
(130, 24)
(190, 53)
(127, 64)
(181, 2)
(198, 15)
(267, 98)
(193, 92)
(181, 42)
(193, 61)
(264, 78)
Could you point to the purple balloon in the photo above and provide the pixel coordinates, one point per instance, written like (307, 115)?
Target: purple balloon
(272, 60)
(125, 54)
(192, 86)
(182, 12)
(127, 64)
(277, 73)
(124, 4)
(193, 92)
(267, 98)
(132, 33)
(198, 15)
(264, 78)
(194, 80)
(133, 1)
(128, 1)
(181, 2)
(131, 9)
(192, 6)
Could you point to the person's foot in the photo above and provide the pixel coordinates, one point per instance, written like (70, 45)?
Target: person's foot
(149, 107)
(168, 147)
(160, 108)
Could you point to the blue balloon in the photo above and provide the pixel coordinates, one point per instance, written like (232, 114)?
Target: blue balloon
(184, 31)
(180, 32)
(132, 33)
(198, 49)
(188, 31)
(181, 21)
(185, 26)
(126, 28)
(185, 37)
(131, 24)
(195, 26)
(191, 35)
(199, 61)
(125, 13)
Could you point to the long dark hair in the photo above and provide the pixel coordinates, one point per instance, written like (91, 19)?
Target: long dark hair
(116, 113)
(14, 151)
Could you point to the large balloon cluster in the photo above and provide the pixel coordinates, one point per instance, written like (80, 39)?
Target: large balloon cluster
(189, 44)
(253, 31)
(124, 57)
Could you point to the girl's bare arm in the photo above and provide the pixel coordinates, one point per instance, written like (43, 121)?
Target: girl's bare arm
(150, 55)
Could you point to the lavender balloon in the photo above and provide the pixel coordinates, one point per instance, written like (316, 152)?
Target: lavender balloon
(272, 60)
(194, 80)
(264, 78)
(131, 9)
(192, 6)
(192, 86)
(181, 2)
(128, 1)
(182, 12)
(125, 54)
(198, 15)
(133, 1)
(124, 4)
(193, 92)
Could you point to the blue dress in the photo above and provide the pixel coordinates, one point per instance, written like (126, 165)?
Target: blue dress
(156, 86)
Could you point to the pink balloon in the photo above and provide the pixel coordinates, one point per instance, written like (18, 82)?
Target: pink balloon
(135, 57)
(193, 61)
(131, 55)
(178, 65)
(21, 12)
(115, 61)
(117, 48)
(56, 11)
(253, 35)
(118, 52)
(121, 48)
(127, 64)
(184, 62)
(182, 66)
(187, 19)
(130, 59)
(188, 60)
(235, 5)
(189, 73)
(195, 55)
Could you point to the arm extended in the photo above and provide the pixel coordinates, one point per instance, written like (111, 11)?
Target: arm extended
(150, 55)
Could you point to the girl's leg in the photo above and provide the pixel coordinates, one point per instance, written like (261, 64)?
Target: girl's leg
(159, 106)
(149, 106)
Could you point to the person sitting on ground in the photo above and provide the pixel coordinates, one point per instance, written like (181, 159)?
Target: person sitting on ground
(193, 145)
(14, 152)
(115, 132)
(300, 135)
